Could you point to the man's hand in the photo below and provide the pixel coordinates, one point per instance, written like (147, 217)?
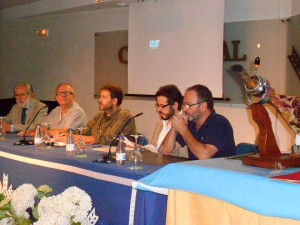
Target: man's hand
(28, 133)
(63, 137)
(179, 123)
(6, 126)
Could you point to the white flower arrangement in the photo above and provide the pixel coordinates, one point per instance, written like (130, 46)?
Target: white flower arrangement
(22, 199)
(73, 206)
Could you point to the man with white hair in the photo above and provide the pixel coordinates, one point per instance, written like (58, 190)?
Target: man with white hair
(68, 114)
(26, 110)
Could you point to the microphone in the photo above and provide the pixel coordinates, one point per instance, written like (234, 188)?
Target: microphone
(107, 158)
(24, 141)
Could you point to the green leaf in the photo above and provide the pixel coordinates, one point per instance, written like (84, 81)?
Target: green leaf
(73, 223)
(25, 222)
(1, 197)
(35, 213)
(2, 214)
(6, 207)
(40, 195)
(12, 210)
(45, 189)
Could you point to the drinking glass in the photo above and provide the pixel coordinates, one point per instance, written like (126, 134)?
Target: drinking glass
(135, 158)
(2, 131)
(46, 140)
(81, 146)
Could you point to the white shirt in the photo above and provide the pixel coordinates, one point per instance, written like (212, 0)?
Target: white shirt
(166, 128)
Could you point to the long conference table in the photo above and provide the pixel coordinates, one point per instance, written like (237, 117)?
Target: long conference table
(108, 185)
(215, 191)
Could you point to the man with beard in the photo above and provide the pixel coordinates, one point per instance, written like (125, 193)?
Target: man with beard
(22, 113)
(106, 125)
(206, 134)
(168, 103)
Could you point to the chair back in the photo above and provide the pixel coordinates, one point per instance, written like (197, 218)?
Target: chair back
(143, 140)
(244, 148)
(51, 104)
(5, 105)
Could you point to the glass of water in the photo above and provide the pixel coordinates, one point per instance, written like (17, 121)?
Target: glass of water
(46, 140)
(81, 146)
(135, 158)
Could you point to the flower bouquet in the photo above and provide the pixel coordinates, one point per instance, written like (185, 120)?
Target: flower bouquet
(29, 205)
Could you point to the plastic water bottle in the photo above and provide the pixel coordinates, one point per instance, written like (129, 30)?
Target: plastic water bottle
(38, 136)
(70, 145)
(120, 152)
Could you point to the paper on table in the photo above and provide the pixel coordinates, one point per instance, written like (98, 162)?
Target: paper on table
(151, 148)
(59, 144)
(297, 139)
(130, 146)
(105, 148)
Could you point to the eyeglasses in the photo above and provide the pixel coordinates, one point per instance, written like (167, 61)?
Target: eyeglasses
(20, 95)
(187, 106)
(162, 106)
(66, 93)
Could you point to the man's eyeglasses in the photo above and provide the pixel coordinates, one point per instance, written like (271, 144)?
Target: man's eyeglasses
(187, 106)
(162, 106)
(64, 93)
(20, 95)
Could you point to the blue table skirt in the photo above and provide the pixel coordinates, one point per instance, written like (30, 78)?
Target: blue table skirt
(110, 198)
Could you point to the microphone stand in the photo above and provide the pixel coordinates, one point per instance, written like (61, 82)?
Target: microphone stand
(24, 141)
(108, 158)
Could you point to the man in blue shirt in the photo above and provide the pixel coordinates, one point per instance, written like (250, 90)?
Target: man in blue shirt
(206, 134)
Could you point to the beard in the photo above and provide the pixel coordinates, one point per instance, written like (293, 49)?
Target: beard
(22, 103)
(106, 108)
(168, 116)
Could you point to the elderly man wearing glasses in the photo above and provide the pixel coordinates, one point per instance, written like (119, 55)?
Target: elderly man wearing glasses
(26, 110)
(68, 114)
(168, 103)
(205, 133)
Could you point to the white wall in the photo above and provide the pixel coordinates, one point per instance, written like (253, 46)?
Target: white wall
(246, 10)
(66, 55)
(272, 36)
(295, 7)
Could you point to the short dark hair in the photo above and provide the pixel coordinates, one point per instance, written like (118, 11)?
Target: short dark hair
(204, 94)
(115, 92)
(172, 93)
